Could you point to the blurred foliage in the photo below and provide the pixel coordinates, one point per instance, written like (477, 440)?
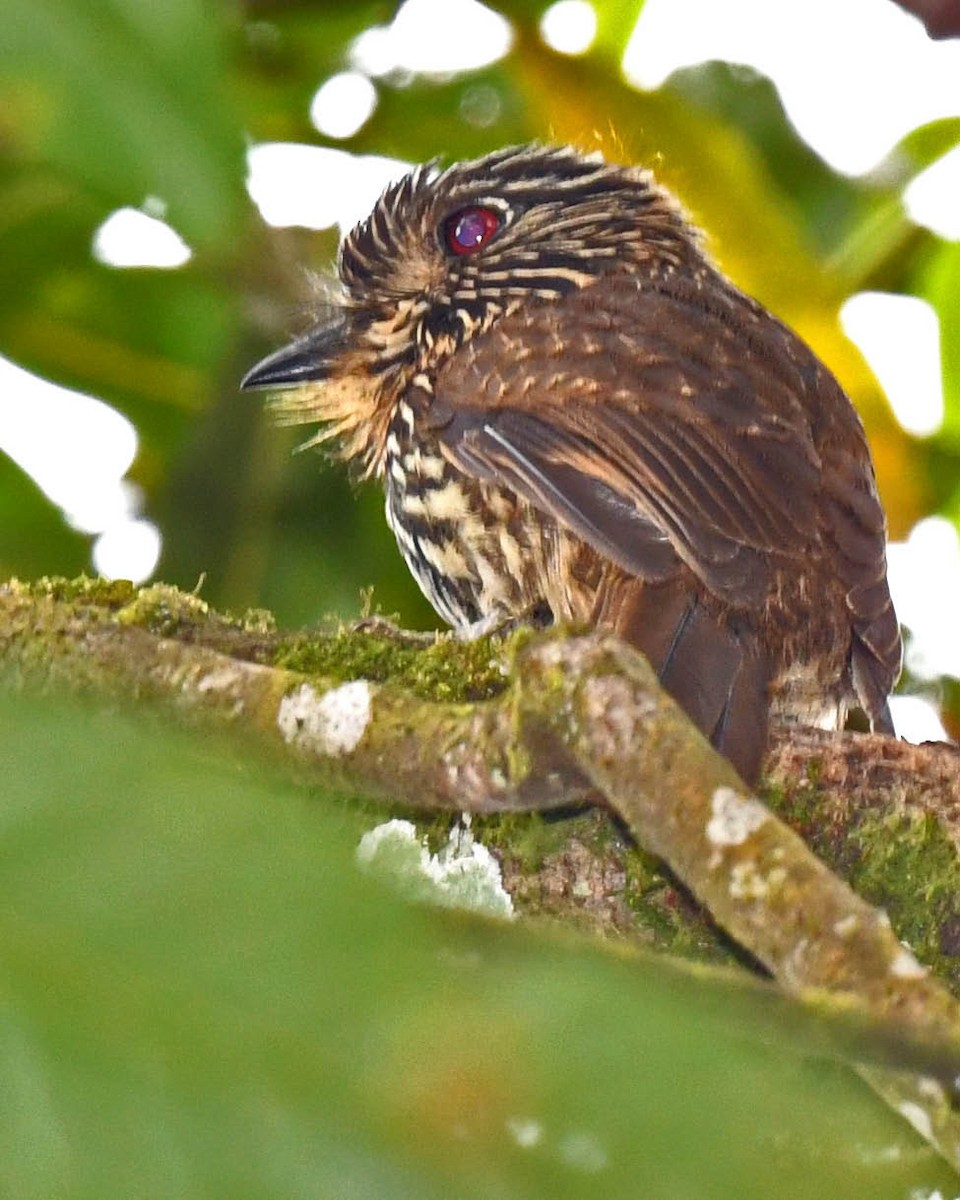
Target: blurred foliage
(103, 105)
(202, 997)
(199, 998)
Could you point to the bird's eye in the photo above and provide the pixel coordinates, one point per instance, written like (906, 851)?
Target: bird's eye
(470, 229)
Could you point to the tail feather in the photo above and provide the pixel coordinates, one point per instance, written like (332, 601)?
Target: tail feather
(741, 733)
(716, 677)
(872, 682)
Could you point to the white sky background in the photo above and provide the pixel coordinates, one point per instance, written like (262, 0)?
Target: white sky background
(851, 108)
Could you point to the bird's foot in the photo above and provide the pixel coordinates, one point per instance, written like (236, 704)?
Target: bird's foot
(380, 627)
(497, 625)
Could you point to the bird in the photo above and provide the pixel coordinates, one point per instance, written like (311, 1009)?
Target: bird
(578, 419)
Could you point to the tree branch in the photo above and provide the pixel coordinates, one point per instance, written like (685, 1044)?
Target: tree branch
(575, 718)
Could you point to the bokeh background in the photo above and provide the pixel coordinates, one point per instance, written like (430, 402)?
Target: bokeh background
(174, 175)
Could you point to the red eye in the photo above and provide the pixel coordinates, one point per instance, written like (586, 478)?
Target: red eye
(470, 228)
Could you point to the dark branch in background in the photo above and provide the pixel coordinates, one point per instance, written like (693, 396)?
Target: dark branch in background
(941, 18)
(573, 718)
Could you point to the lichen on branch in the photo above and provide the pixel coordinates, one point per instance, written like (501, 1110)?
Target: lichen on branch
(536, 722)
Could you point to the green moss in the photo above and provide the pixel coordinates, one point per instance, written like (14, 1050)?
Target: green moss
(797, 805)
(164, 610)
(161, 608)
(645, 873)
(445, 670)
(531, 838)
(908, 865)
(902, 861)
(257, 620)
(169, 612)
(99, 593)
(663, 908)
(655, 908)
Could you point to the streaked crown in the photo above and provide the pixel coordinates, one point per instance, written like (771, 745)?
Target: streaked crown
(525, 221)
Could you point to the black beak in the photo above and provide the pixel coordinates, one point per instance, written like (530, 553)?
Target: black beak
(310, 357)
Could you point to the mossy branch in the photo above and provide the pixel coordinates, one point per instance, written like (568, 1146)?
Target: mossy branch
(543, 721)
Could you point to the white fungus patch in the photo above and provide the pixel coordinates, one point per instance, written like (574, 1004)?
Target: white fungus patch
(464, 874)
(749, 883)
(331, 723)
(905, 966)
(734, 817)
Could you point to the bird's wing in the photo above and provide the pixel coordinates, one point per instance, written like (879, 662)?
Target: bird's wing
(654, 420)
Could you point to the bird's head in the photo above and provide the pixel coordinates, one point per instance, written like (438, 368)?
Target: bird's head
(446, 253)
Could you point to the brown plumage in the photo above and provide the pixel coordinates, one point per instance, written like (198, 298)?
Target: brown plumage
(577, 417)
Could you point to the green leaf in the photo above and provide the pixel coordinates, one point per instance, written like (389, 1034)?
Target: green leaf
(616, 22)
(125, 100)
(286, 53)
(941, 286)
(202, 996)
(917, 150)
(34, 538)
(100, 105)
(464, 117)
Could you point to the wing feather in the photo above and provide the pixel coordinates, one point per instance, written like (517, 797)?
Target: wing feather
(681, 437)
